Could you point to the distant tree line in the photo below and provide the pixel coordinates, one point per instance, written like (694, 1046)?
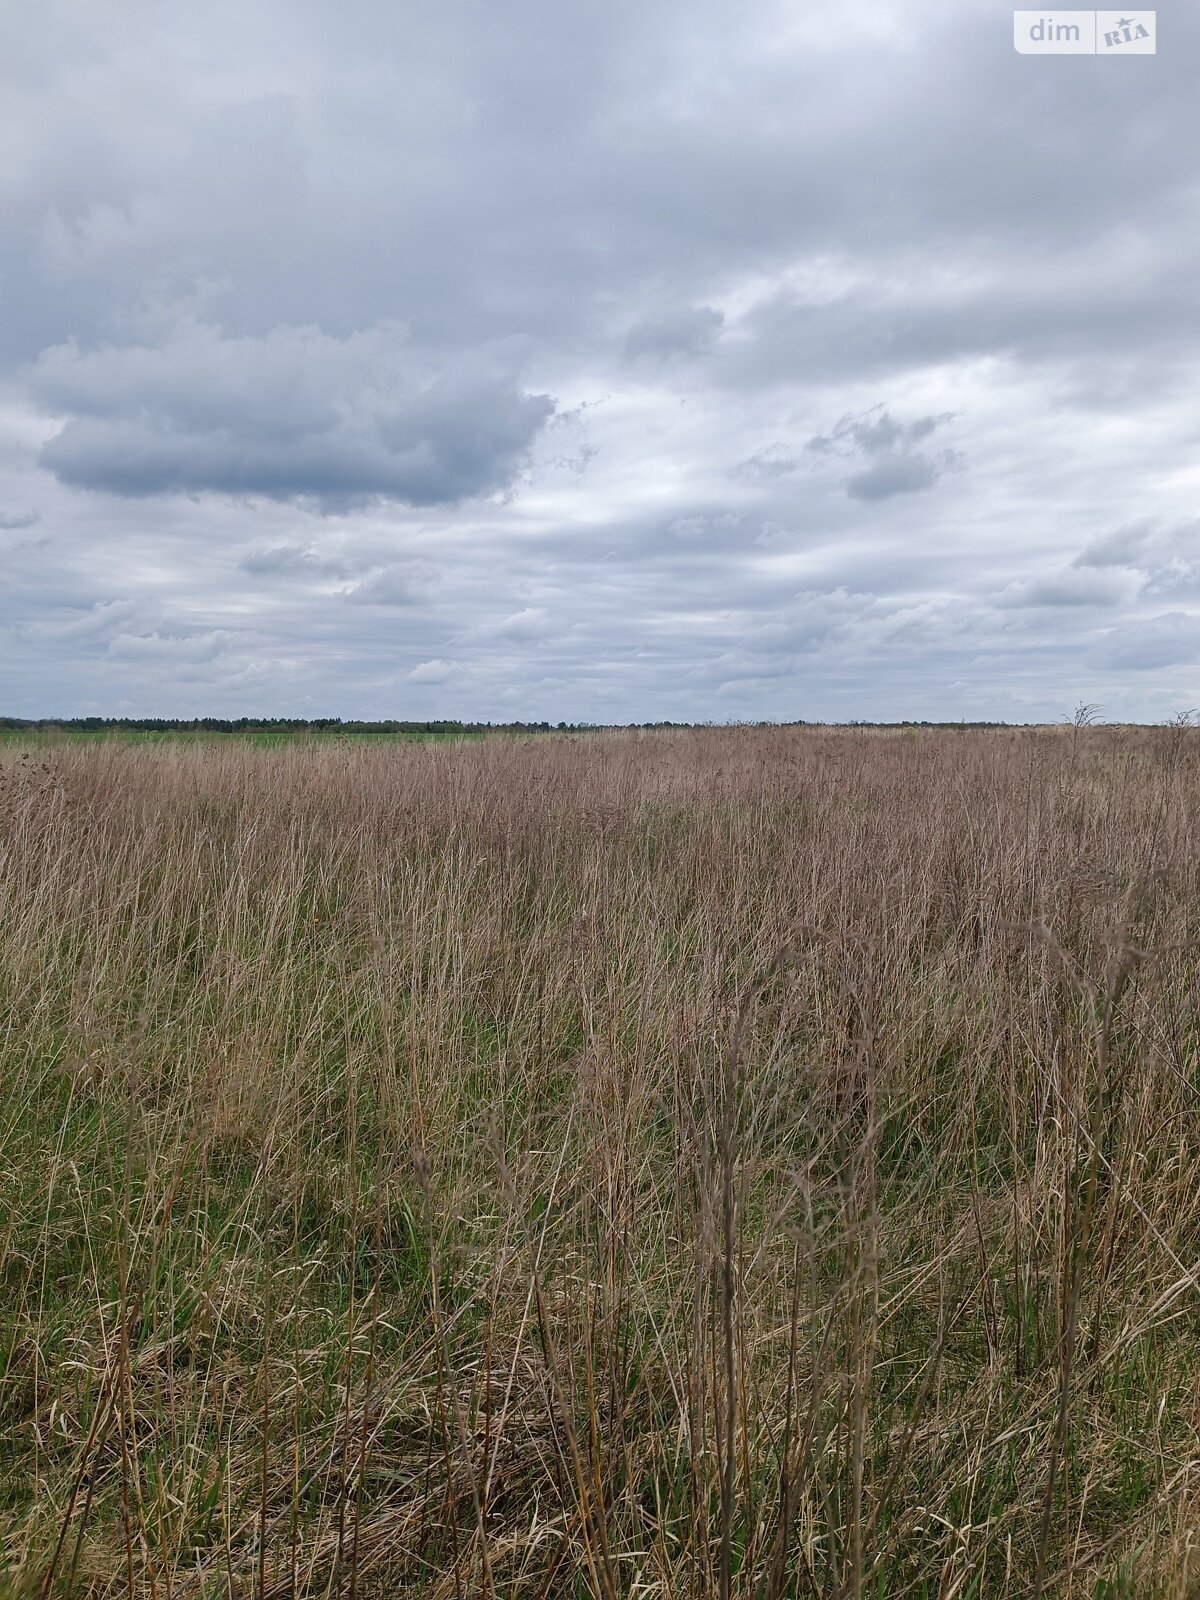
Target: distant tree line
(217, 724)
(271, 725)
(296, 725)
(446, 729)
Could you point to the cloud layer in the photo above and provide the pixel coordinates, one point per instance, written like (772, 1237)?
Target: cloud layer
(614, 363)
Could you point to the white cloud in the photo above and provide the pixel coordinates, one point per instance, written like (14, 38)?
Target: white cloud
(435, 672)
(522, 626)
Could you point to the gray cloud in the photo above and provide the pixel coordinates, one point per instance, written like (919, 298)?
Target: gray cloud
(172, 649)
(1120, 548)
(1069, 587)
(894, 463)
(293, 414)
(1169, 639)
(405, 584)
(876, 433)
(775, 461)
(363, 250)
(1165, 557)
(99, 622)
(13, 521)
(901, 474)
(1176, 578)
(689, 331)
(292, 561)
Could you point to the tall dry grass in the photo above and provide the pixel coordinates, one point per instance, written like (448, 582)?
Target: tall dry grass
(717, 1163)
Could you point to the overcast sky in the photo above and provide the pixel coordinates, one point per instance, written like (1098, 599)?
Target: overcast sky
(605, 361)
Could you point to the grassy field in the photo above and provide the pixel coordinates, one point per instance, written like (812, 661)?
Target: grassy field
(50, 736)
(732, 1163)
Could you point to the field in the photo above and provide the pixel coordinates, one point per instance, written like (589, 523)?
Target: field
(49, 736)
(731, 1162)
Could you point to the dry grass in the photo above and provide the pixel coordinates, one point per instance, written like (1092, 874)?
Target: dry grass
(731, 1163)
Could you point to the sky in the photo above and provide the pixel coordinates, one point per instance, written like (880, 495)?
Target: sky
(601, 362)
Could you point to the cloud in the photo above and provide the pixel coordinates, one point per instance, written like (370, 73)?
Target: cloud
(402, 585)
(1175, 578)
(707, 527)
(807, 624)
(12, 521)
(435, 672)
(901, 474)
(292, 561)
(294, 414)
(776, 461)
(1068, 587)
(154, 649)
(522, 627)
(1164, 556)
(876, 433)
(78, 627)
(1120, 548)
(546, 305)
(689, 332)
(894, 464)
(1170, 639)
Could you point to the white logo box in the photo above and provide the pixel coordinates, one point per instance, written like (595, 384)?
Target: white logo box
(1085, 33)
